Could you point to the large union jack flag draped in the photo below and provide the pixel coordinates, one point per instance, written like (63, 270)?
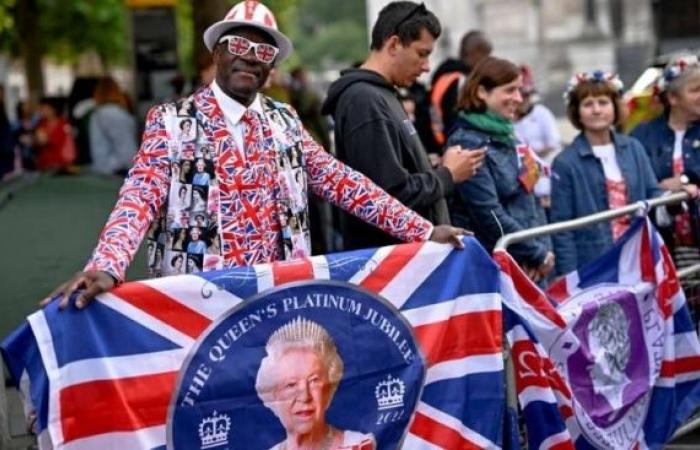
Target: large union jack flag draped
(102, 378)
(607, 359)
(611, 359)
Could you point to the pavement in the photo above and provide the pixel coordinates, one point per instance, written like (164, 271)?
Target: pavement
(49, 225)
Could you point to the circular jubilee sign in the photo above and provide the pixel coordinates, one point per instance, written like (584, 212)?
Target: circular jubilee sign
(321, 364)
(611, 356)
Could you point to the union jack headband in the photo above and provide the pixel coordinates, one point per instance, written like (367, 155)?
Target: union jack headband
(597, 76)
(674, 69)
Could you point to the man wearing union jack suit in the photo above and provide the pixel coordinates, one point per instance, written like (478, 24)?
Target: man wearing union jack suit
(253, 141)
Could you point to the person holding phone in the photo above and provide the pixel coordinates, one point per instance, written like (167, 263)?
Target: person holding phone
(373, 132)
(499, 199)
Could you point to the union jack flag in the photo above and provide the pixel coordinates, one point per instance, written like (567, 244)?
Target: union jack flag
(575, 393)
(102, 378)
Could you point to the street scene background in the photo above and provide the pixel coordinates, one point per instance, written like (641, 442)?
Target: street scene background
(54, 52)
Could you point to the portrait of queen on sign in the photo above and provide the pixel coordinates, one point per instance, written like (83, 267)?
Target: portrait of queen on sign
(610, 346)
(613, 369)
(297, 380)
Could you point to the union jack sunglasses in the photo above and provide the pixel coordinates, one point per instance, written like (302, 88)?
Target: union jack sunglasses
(240, 46)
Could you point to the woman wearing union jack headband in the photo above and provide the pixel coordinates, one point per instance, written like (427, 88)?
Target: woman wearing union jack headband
(672, 142)
(599, 170)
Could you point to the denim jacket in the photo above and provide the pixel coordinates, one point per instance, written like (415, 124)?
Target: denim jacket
(578, 189)
(658, 139)
(493, 202)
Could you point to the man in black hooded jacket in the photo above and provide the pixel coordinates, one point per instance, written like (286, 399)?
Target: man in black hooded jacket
(375, 136)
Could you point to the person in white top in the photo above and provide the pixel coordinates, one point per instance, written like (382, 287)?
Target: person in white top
(535, 124)
(537, 127)
(672, 142)
(600, 170)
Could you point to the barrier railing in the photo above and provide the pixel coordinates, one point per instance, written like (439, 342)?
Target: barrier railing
(688, 271)
(639, 208)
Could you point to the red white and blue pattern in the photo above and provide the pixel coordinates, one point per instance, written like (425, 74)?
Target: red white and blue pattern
(248, 188)
(532, 321)
(102, 378)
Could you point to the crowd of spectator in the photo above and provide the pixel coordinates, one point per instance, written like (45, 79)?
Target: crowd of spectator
(475, 149)
(94, 128)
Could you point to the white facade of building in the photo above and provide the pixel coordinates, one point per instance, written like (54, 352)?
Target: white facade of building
(554, 37)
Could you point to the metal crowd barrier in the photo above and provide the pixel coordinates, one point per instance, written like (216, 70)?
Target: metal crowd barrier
(638, 208)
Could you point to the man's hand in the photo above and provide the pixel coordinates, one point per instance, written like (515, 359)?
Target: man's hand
(532, 273)
(547, 265)
(446, 234)
(94, 282)
(463, 164)
(536, 274)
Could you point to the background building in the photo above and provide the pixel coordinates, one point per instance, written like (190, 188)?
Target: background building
(560, 37)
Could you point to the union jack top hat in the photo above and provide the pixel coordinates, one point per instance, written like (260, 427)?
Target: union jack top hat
(254, 14)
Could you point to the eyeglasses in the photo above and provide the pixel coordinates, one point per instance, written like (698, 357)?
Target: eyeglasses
(240, 46)
(418, 9)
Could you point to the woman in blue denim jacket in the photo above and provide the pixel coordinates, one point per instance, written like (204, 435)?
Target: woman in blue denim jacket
(499, 198)
(672, 142)
(600, 170)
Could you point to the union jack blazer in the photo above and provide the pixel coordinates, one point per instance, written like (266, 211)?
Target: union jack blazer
(205, 204)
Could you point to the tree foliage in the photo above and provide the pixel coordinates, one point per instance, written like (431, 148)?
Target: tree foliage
(68, 28)
(328, 34)
(325, 33)
(8, 29)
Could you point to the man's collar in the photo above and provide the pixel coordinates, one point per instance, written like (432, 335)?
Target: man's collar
(231, 108)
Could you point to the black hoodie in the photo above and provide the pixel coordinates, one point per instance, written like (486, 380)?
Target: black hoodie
(374, 135)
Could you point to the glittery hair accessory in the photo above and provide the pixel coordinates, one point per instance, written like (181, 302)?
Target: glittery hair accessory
(597, 76)
(674, 69)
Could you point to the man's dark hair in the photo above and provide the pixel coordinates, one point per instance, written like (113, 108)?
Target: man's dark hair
(474, 40)
(405, 20)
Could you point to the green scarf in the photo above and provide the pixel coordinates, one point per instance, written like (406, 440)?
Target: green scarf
(493, 124)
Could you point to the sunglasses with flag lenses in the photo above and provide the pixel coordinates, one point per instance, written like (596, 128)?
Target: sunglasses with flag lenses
(240, 46)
